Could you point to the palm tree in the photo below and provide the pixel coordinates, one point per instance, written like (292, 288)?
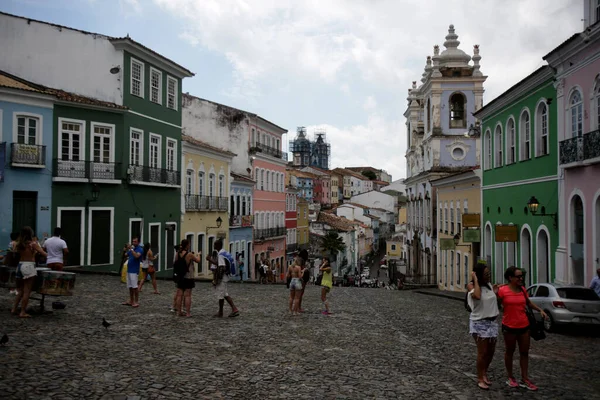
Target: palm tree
(333, 243)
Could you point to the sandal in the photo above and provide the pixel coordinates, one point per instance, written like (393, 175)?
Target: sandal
(487, 381)
(483, 386)
(24, 316)
(234, 314)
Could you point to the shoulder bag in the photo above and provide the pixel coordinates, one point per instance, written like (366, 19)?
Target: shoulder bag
(536, 328)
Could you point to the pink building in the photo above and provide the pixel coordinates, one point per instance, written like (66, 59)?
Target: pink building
(268, 163)
(577, 65)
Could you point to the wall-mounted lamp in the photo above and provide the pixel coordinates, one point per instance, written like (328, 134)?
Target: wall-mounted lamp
(457, 240)
(219, 221)
(115, 70)
(95, 195)
(533, 205)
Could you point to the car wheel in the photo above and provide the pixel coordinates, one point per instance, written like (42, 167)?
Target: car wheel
(549, 322)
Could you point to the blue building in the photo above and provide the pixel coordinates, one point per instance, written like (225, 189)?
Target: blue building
(26, 121)
(241, 221)
(305, 185)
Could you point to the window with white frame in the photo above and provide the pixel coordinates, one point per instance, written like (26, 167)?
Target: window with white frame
(541, 145)
(498, 147)
(137, 78)
(511, 149)
(102, 144)
(273, 181)
(466, 206)
(525, 135)
(171, 155)
(446, 217)
(452, 220)
(72, 136)
(201, 183)
(458, 217)
(211, 185)
(155, 86)
(189, 182)
(440, 216)
(458, 265)
(221, 186)
(576, 114)
(155, 150)
(172, 93)
(487, 161)
(256, 178)
(253, 142)
(268, 173)
(262, 179)
(467, 272)
(135, 147)
(28, 130)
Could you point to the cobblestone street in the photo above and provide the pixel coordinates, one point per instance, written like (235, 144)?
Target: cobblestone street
(377, 344)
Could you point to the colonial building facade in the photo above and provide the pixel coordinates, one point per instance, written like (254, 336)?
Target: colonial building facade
(241, 221)
(577, 62)
(519, 160)
(439, 118)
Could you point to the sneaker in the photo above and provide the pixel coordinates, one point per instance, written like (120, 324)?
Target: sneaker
(512, 382)
(528, 385)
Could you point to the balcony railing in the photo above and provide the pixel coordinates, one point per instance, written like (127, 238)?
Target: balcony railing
(582, 148)
(241, 221)
(260, 234)
(194, 202)
(145, 174)
(86, 170)
(271, 151)
(27, 155)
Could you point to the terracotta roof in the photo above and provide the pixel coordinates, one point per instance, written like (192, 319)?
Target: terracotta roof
(242, 178)
(335, 222)
(200, 143)
(14, 82)
(302, 174)
(320, 171)
(381, 182)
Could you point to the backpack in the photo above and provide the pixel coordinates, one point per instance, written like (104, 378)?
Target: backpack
(180, 267)
(230, 263)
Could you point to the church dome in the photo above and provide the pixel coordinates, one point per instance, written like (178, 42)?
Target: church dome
(453, 57)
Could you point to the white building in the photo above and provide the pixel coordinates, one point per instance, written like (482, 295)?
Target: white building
(440, 141)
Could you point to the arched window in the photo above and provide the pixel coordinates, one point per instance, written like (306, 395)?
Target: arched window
(498, 147)
(221, 185)
(429, 115)
(487, 161)
(511, 142)
(457, 111)
(189, 182)
(201, 183)
(525, 134)
(576, 114)
(211, 185)
(541, 130)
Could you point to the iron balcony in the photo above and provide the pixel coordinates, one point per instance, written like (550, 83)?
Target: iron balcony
(27, 155)
(263, 148)
(143, 174)
(577, 149)
(195, 202)
(86, 170)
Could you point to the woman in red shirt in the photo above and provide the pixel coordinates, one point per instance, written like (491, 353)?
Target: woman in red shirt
(515, 325)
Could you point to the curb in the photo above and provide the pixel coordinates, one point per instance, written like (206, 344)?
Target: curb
(447, 296)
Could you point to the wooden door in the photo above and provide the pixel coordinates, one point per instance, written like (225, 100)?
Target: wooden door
(70, 222)
(24, 210)
(101, 237)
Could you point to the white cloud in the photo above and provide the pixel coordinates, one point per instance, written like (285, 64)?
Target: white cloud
(370, 103)
(379, 46)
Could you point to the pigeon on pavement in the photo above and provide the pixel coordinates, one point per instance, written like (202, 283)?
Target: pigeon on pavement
(105, 323)
(4, 339)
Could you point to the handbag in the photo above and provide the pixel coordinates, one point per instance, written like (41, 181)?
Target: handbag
(319, 279)
(536, 328)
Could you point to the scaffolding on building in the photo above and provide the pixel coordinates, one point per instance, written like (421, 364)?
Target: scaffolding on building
(306, 153)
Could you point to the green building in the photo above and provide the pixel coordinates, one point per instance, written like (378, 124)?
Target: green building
(519, 160)
(116, 167)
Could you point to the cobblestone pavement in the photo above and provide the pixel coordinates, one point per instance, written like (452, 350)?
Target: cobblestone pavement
(377, 344)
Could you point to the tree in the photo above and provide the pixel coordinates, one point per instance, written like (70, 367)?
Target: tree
(333, 243)
(369, 174)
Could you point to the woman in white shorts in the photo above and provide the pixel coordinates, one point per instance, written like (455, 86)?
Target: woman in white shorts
(26, 273)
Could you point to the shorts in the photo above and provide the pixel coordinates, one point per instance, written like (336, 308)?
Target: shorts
(296, 284)
(484, 328)
(327, 289)
(56, 266)
(221, 288)
(185, 284)
(132, 281)
(26, 270)
(514, 331)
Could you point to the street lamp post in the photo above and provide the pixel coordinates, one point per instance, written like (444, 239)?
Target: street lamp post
(533, 204)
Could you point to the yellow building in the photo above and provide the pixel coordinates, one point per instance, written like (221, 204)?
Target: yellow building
(393, 248)
(302, 224)
(402, 214)
(336, 181)
(457, 195)
(205, 202)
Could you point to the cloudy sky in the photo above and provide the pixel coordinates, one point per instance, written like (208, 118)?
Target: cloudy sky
(342, 65)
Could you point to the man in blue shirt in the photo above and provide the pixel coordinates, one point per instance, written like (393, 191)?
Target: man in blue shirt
(133, 270)
(595, 285)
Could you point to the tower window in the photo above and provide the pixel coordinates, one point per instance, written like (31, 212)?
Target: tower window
(457, 111)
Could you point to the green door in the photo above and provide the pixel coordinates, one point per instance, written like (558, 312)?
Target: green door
(70, 222)
(24, 210)
(101, 235)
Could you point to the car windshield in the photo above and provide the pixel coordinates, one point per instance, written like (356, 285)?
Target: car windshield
(577, 294)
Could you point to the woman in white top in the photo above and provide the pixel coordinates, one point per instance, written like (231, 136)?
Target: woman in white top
(148, 258)
(482, 322)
